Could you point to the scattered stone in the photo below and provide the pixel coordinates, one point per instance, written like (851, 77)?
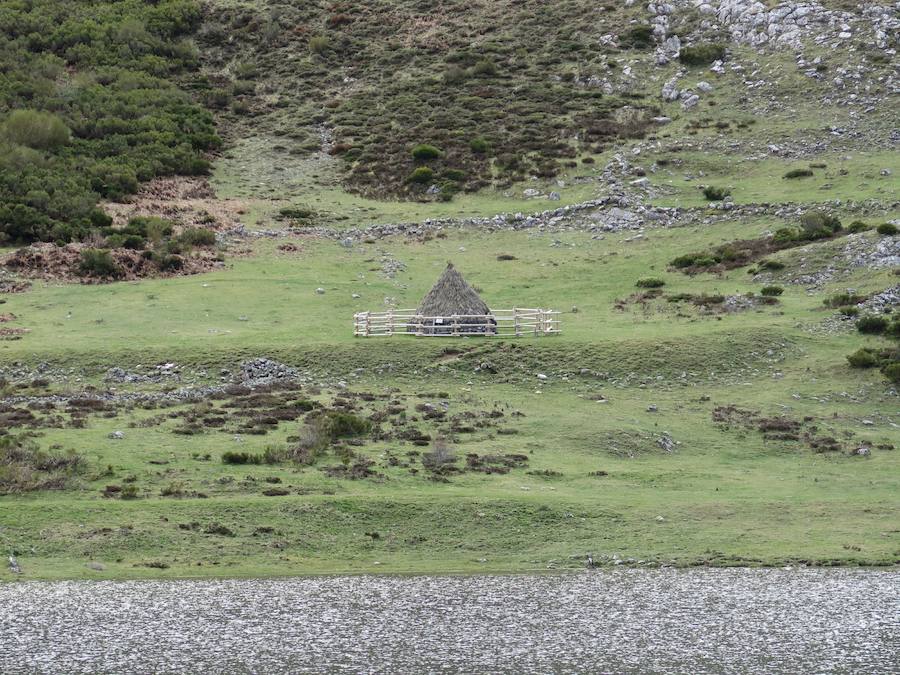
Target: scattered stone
(116, 435)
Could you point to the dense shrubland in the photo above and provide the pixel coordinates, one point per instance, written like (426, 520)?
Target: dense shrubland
(89, 109)
(441, 99)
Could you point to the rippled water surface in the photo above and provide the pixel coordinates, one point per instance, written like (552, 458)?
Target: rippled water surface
(622, 621)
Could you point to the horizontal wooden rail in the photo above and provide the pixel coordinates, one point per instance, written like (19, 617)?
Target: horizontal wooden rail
(516, 322)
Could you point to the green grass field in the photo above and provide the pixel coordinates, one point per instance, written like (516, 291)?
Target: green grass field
(649, 432)
(722, 496)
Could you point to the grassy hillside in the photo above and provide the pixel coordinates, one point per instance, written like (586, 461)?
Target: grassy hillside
(706, 415)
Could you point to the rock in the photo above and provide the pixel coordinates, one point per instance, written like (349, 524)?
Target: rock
(704, 86)
(670, 91)
(116, 435)
(885, 172)
(14, 565)
(356, 296)
(666, 442)
(660, 519)
(554, 196)
(862, 452)
(347, 242)
(652, 408)
(541, 376)
(97, 567)
(690, 102)
(263, 370)
(320, 290)
(531, 192)
(662, 120)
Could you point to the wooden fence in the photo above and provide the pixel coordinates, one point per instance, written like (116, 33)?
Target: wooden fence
(500, 323)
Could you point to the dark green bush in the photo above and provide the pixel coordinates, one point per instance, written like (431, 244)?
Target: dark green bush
(421, 175)
(650, 282)
(799, 173)
(425, 152)
(842, 299)
(232, 457)
(695, 260)
(197, 236)
(35, 129)
(479, 146)
(871, 324)
(863, 358)
(857, 226)
(485, 68)
(637, 37)
(344, 425)
(771, 291)
(849, 310)
(891, 371)
(887, 229)
(98, 263)
(773, 265)
(715, 194)
(702, 54)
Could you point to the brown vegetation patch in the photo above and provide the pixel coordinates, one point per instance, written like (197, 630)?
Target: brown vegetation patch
(187, 201)
(62, 263)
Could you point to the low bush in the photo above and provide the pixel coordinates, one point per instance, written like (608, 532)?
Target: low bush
(798, 173)
(857, 226)
(849, 311)
(864, 358)
(715, 194)
(232, 457)
(871, 324)
(98, 263)
(484, 68)
(35, 129)
(425, 152)
(197, 236)
(887, 229)
(24, 467)
(843, 299)
(421, 175)
(773, 265)
(650, 282)
(891, 371)
(771, 291)
(702, 54)
(479, 146)
(318, 45)
(637, 37)
(695, 260)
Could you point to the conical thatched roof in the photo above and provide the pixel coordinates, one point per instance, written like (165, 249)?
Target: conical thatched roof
(452, 295)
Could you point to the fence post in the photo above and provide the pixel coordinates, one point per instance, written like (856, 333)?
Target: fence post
(391, 322)
(516, 320)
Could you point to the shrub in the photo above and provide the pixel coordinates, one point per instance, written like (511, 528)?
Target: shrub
(343, 425)
(871, 324)
(798, 173)
(425, 152)
(863, 358)
(771, 291)
(319, 45)
(773, 265)
(842, 299)
(702, 54)
(440, 458)
(818, 225)
(638, 37)
(650, 282)
(231, 457)
(849, 310)
(36, 129)
(484, 68)
(695, 260)
(715, 194)
(198, 236)
(887, 229)
(479, 146)
(857, 226)
(98, 263)
(891, 371)
(421, 175)
(24, 467)
(785, 235)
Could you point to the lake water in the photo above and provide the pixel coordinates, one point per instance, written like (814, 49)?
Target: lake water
(619, 621)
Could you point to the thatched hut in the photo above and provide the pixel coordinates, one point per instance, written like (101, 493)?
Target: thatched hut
(453, 307)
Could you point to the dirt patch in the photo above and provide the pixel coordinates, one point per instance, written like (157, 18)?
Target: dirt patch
(187, 201)
(61, 263)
